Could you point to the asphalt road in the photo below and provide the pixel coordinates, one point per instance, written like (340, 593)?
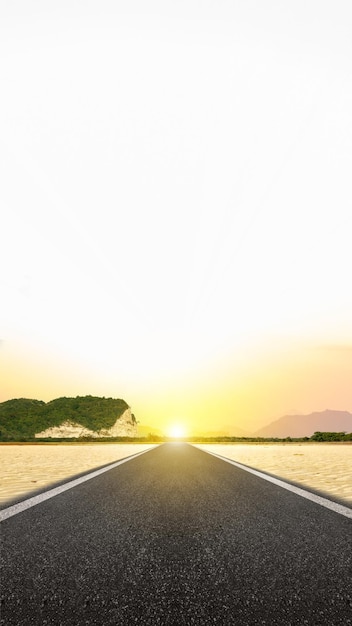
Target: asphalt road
(176, 537)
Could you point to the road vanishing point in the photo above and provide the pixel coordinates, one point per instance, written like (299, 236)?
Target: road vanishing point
(176, 536)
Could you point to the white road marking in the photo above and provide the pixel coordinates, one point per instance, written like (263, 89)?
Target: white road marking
(328, 504)
(41, 497)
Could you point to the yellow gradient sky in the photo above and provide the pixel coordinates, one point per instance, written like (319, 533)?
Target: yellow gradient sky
(177, 207)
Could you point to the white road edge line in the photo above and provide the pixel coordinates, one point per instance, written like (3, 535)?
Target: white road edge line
(41, 497)
(328, 504)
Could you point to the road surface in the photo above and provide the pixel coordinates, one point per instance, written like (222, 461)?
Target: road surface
(176, 537)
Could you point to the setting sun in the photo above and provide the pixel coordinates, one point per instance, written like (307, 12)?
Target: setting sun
(176, 431)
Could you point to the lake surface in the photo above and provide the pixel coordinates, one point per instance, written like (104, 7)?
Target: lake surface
(323, 467)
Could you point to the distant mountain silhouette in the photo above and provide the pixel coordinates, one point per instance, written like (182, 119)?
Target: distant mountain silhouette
(225, 431)
(307, 425)
(144, 431)
(236, 431)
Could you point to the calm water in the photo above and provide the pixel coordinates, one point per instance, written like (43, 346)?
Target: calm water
(325, 467)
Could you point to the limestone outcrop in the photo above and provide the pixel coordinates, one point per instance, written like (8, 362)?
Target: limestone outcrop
(125, 426)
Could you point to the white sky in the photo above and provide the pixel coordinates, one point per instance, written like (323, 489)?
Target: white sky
(176, 180)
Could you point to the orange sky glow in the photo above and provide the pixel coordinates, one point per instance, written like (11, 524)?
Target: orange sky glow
(176, 202)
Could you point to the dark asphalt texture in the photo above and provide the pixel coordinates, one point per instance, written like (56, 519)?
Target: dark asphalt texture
(176, 537)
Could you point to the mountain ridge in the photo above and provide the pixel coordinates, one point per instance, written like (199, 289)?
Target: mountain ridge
(24, 419)
(306, 425)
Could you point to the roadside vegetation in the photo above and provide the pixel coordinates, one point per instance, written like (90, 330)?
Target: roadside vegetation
(318, 436)
(21, 418)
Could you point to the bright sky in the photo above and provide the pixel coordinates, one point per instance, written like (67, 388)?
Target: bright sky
(176, 206)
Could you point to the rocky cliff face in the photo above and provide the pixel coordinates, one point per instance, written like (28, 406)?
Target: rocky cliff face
(125, 426)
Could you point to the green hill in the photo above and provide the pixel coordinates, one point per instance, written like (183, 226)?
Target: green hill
(21, 418)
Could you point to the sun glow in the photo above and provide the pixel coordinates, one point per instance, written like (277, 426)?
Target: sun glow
(176, 431)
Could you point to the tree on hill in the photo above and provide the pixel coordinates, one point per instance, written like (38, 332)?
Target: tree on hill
(331, 436)
(21, 418)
